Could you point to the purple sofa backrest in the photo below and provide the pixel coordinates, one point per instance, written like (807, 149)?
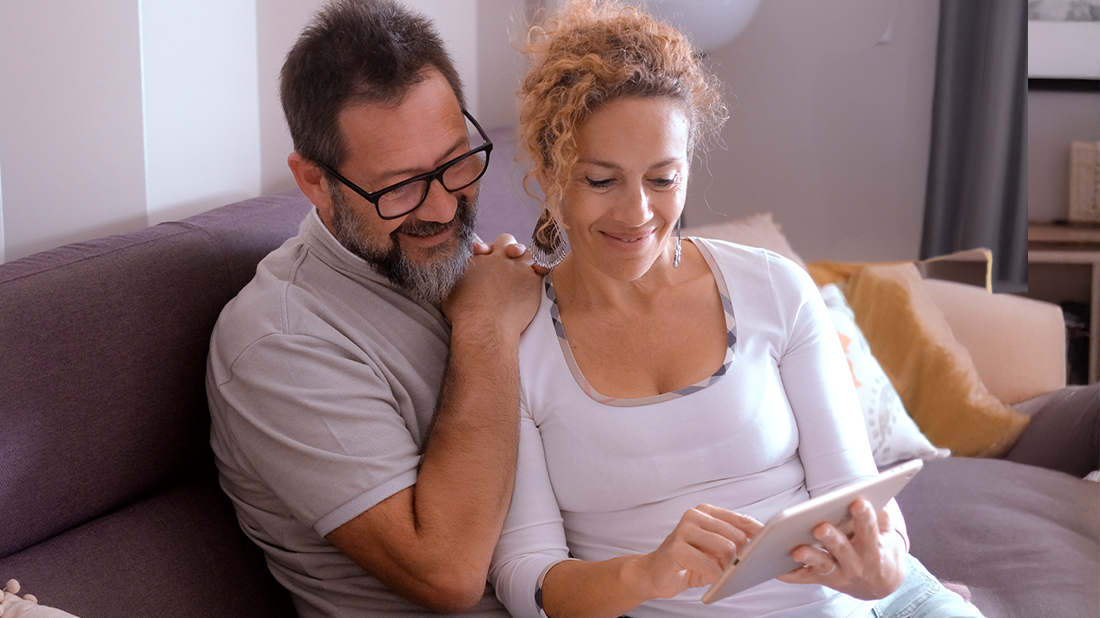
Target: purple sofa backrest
(102, 355)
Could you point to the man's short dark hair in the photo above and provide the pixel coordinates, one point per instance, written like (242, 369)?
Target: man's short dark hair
(354, 52)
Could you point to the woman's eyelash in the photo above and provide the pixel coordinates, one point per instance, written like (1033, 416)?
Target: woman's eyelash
(662, 183)
(671, 181)
(598, 184)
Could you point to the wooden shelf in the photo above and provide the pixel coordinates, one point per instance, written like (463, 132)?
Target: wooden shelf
(1074, 247)
(1063, 234)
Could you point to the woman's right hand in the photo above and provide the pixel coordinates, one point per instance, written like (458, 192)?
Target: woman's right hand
(697, 551)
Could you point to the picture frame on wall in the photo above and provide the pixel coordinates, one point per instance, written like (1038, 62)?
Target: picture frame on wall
(1063, 40)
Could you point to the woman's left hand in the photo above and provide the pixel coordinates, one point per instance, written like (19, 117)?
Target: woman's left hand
(869, 565)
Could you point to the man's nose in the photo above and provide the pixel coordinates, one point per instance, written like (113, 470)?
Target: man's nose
(439, 205)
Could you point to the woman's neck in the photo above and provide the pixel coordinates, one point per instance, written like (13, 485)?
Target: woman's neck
(581, 286)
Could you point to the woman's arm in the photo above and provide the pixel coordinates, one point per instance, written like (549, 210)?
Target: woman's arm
(533, 536)
(693, 555)
(532, 544)
(833, 448)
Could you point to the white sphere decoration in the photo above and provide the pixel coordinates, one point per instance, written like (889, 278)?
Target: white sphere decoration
(710, 24)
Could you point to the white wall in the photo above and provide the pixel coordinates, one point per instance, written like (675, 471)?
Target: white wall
(278, 24)
(201, 111)
(828, 131)
(119, 114)
(501, 67)
(1054, 119)
(122, 113)
(70, 122)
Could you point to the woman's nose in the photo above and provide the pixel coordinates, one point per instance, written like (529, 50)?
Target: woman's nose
(634, 209)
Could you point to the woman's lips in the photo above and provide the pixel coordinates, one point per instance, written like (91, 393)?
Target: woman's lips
(629, 241)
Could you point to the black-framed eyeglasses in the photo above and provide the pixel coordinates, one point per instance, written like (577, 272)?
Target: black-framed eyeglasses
(400, 199)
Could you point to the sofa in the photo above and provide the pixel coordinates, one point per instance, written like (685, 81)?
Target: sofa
(109, 500)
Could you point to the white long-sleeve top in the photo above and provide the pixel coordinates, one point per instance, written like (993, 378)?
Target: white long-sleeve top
(600, 477)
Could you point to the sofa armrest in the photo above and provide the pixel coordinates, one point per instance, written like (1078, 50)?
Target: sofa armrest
(1064, 432)
(1018, 345)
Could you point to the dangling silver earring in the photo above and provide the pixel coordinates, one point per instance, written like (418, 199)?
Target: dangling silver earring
(548, 247)
(676, 257)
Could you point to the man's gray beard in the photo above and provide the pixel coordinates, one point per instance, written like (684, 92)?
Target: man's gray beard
(430, 283)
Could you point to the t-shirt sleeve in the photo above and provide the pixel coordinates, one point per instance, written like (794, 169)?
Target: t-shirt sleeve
(533, 537)
(832, 441)
(316, 424)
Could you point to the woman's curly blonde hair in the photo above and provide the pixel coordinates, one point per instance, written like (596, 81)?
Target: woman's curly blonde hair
(594, 52)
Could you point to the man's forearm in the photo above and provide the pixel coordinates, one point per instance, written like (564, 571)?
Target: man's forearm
(465, 481)
(433, 542)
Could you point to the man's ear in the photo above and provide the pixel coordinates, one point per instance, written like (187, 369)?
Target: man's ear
(312, 183)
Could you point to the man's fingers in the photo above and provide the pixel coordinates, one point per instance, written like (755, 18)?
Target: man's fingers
(504, 240)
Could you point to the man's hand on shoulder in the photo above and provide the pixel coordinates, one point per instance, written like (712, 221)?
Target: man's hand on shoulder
(500, 290)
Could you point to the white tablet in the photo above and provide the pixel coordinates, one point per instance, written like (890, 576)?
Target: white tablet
(768, 554)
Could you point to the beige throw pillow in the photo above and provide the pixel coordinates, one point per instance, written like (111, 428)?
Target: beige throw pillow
(757, 230)
(932, 372)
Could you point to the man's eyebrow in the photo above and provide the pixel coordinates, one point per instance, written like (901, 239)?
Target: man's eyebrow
(411, 172)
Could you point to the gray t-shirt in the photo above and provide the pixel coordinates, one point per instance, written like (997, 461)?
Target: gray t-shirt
(322, 381)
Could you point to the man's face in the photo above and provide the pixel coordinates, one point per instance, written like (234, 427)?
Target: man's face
(424, 252)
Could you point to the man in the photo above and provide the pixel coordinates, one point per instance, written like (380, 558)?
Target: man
(371, 327)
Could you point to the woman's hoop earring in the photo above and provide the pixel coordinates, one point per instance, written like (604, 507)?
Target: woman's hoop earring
(676, 257)
(548, 247)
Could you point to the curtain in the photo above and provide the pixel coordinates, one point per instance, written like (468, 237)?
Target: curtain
(977, 181)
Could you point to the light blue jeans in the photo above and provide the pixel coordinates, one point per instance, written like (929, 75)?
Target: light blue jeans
(923, 596)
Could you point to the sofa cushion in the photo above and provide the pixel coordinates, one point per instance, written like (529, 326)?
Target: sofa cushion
(1064, 432)
(179, 554)
(1029, 363)
(932, 372)
(102, 390)
(1023, 539)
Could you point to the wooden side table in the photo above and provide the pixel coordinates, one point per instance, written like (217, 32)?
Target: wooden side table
(1064, 265)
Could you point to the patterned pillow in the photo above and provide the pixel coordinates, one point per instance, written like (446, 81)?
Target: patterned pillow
(893, 435)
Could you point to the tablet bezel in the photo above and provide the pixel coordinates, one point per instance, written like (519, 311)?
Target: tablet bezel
(768, 554)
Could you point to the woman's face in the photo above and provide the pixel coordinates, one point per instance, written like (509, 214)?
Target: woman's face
(628, 187)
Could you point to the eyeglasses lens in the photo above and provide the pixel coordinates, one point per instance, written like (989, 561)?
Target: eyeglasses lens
(459, 175)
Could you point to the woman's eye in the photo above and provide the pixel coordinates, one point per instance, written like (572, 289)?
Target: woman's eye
(598, 184)
(664, 183)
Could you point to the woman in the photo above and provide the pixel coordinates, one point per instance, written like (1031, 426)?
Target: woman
(663, 375)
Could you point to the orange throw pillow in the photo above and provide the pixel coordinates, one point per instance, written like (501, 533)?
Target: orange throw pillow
(932, 372)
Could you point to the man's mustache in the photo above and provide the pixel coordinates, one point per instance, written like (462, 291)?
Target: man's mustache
(415, 227)
(424, 228)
